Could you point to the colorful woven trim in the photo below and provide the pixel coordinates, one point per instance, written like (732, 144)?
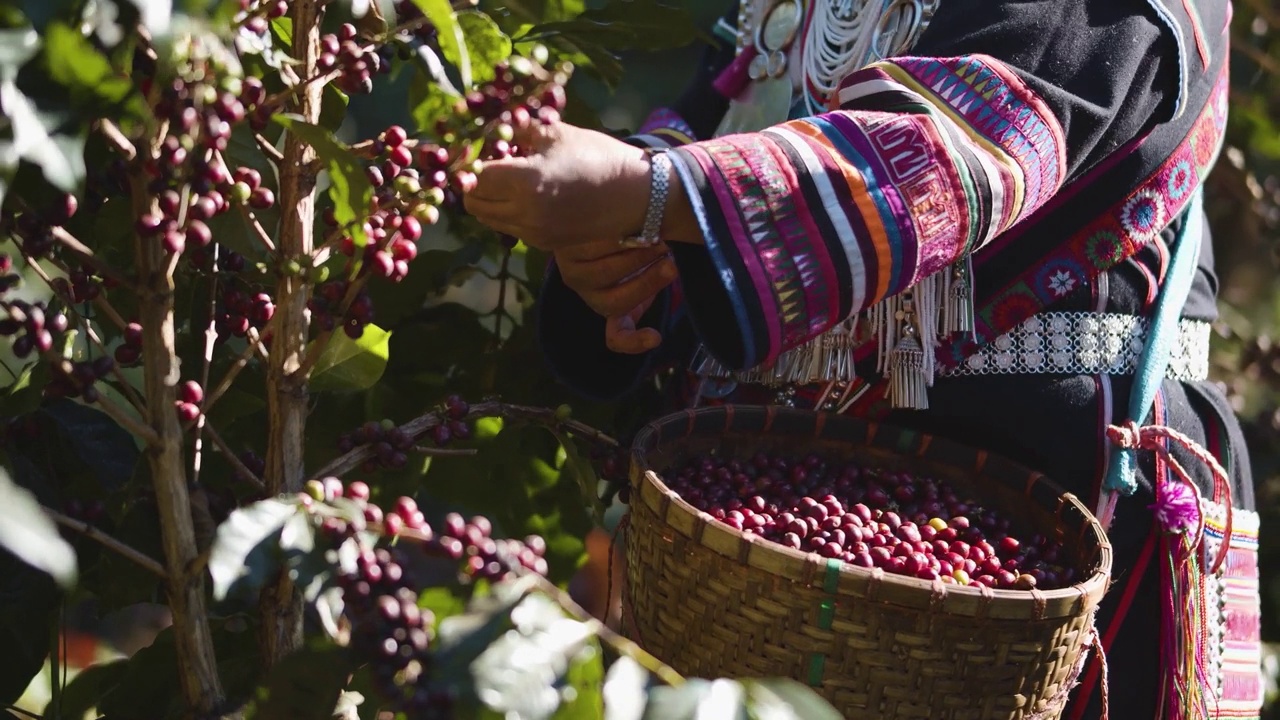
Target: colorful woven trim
(1111, 238)
(808, 222)
(664, 128)
(1234, 615)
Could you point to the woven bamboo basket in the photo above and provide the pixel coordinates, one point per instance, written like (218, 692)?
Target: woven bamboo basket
(712, 601)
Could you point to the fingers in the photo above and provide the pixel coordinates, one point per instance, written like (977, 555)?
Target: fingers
(503, 180)
(622, 336)
(608, 270)
(624, 296)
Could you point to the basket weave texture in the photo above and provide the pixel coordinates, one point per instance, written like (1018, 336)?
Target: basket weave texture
(712, 601)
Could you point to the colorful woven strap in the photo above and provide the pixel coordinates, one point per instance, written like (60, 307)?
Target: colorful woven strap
(1122, 473)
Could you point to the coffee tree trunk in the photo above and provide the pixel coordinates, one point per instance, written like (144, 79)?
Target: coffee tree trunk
(286, 387)
(197, 666)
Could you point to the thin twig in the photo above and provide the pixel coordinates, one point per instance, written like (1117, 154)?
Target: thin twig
(268, 149)
(82, 251)
(444, 452)
(107, 541)
(419, 426)
(243, 471)
(252, 218)
(117, 139)
(225, 384)
(127, 421)
(109, 310)
(210, 339)
(259, 346)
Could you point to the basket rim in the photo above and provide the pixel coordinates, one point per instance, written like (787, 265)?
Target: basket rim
(810, 567)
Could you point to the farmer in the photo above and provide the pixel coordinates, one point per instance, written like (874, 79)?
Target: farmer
(958, 216)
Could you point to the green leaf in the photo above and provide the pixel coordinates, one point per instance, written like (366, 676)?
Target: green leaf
(780, 699)
(75, 63)
(306, 685)
(60, 157)
(624, 690)
(28, 604)
(487, 45)
(27, 392)
(630, 25)
(88, 686)
(348, 365)
(105, 450)
(733, 700)
(149, 687)
(429, 98)
(349, 187)
(246, 549)
(449, 33)
(582, 471)
(27, 532)
(17, 46)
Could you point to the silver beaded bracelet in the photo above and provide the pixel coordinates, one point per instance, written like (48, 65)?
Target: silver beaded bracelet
(659, 189)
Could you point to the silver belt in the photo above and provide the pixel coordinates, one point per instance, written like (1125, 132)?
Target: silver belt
(1083, 343)
(1067, 343)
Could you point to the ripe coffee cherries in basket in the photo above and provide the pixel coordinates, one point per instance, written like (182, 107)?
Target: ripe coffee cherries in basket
(907, 525)
(902, 576)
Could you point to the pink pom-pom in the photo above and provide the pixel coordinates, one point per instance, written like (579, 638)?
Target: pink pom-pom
(1177, 507)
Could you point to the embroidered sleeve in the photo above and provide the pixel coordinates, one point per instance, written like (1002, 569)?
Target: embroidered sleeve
(664, 128)
(807, 222)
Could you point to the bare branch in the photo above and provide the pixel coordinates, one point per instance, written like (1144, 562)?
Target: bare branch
(109, 542)
(268, 149)
(258, 231)
(419, 426)
(116, 139)
(444, 452)
(241, 470)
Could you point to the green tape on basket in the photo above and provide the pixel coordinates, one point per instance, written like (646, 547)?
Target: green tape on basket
(906, 441)
(827, 614)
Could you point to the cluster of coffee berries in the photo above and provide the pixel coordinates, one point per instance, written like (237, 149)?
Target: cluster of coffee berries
(356, 61)
(190, 396)
(129, 351)
(35, 228)
(453, 426)
(76, 379)
(237, 311)
(919, 527)
(82, 286)
(254, 463)
(407, 11)
(391, 445)
(326, 303)
(32, 326)
(229, 261)
(388, 629)
(202, 104)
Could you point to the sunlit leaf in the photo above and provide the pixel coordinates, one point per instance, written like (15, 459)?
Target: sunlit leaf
(28, 533)
(246, 549)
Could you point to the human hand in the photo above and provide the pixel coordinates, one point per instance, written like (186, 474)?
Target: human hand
(620, 284)
(573, 186)
(611, 279)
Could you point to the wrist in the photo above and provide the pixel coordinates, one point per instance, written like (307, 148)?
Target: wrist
(679, 224)
(676, 220)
